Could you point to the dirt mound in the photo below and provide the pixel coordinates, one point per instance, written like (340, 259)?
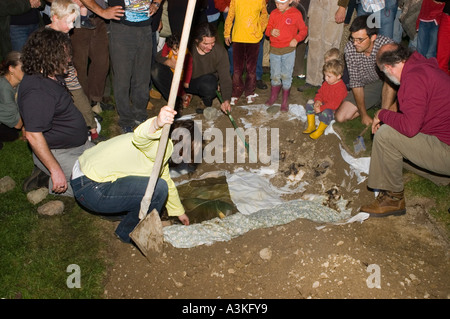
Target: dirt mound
(394, 257)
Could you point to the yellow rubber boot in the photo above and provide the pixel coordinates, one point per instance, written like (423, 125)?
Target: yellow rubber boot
(317, 133)
(311, 124)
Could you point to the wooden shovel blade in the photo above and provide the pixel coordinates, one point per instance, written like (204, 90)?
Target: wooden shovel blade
(148, 235)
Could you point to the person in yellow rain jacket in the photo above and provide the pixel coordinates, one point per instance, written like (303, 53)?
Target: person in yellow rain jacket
(248, 19)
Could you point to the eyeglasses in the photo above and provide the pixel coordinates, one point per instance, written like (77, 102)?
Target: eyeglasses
(357, 40)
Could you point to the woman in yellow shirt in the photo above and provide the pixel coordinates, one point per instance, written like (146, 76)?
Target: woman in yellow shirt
(112, 177)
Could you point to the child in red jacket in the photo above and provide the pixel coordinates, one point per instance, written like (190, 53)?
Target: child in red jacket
(170, 51)
(286, 29)
(329, 97)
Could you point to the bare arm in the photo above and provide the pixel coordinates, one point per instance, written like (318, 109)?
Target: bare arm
(388, 96)
(110, 13)
(358, 93)
(42, 151)
(339, 16)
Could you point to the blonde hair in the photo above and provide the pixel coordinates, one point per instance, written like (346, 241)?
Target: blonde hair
(63, 8)
(333, 53)
(334, 66)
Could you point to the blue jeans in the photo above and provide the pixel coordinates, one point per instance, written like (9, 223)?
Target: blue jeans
(281, 67)
(122, 196)
(19, 35)
(384, 19)
(427, 39)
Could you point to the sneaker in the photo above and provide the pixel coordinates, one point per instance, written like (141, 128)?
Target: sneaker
(36, 180)
(387, 203)
(126, 129)
(234, 100)
(96, 138)
(261, 85)
(96, 108)
(98, 117)
(87, 24)
(306, 87)
(301, 76)
(251, 98)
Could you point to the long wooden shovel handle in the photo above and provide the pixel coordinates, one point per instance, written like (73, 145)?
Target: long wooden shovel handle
(145, 203)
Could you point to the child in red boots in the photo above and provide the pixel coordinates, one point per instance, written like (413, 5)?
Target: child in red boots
(285, 29)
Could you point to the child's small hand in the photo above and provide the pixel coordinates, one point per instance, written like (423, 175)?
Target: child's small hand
(317, 105)
(275, 33)
(293, 43)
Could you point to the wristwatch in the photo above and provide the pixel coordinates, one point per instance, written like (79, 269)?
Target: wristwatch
(157, 4)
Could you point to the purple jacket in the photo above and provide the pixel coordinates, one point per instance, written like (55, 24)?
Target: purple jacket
(424, 100)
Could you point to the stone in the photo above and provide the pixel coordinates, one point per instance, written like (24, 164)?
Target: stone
(211, 113)
(37, 196)
(51, 208)
(274, 109)
(265, 253)
(6, 184)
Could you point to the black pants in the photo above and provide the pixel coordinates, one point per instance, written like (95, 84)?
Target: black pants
(204, 86)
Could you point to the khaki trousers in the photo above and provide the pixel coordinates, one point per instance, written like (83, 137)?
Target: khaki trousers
(390, 148)
(323, 34)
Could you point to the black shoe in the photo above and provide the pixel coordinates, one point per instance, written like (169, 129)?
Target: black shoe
(36, 180)
(106, 106)
(98, 117)
(261, 85)
(87, 24)
(306, 86)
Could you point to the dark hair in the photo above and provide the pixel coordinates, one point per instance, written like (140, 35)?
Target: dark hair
(177, 136)
(362, 22)
(12, 59)
(173, 41)
(47, 52)
(392, 54)
(202, 30)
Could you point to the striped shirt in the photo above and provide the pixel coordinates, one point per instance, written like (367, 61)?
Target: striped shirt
(363, 69)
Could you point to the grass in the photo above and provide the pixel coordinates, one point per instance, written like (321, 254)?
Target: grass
(36, 251)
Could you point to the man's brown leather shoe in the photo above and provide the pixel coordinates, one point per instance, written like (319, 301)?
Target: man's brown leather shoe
(387, 203)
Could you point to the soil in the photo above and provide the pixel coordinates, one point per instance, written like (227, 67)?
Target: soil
(394, 257)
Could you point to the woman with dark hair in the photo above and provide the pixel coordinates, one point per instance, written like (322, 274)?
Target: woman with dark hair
(210, 68)
(10, 76)
(56, 130)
